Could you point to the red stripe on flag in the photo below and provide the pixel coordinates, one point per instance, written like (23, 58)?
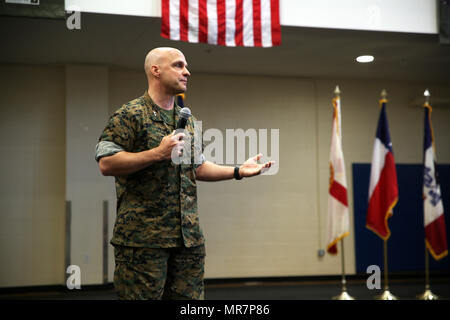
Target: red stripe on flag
(339, 192)
(184, 6)
(275, 22)
(436, 238)
(332, 249)
(257, 23)
(221, 22)
(203, 21)
(239, 22)
(182, 26)
(165, 22)
(384, 198)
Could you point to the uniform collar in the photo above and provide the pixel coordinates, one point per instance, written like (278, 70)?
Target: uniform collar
(155, 114)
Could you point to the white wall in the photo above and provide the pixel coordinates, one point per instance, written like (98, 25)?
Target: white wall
(416, 16)
(32, 187)
(86, 189)
(146, 8)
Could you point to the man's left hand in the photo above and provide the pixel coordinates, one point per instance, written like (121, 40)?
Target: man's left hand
(251, 167)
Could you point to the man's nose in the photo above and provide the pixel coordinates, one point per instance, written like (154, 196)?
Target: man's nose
(186, 72)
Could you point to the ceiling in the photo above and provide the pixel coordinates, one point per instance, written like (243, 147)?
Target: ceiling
(123, 41)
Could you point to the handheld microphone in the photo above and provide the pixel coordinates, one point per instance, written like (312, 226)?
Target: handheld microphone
(185, 113)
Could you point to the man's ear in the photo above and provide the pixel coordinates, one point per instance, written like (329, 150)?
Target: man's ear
(155, 71)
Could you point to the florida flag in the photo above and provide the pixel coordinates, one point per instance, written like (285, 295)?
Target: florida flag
(383, 189)
(433, 209)
(250, 23)
(338, 216)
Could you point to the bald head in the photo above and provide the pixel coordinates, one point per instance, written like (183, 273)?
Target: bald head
(158, 57)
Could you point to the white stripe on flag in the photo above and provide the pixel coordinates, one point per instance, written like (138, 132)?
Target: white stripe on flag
(211, 8)
(338, 221)
(431, 212)
(378, 158)
(336, 153)
(174, 9)
(266, 24)
(193, 19)
(230, 23)
(248, 23)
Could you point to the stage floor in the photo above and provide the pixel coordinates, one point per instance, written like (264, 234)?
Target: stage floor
(404, 289)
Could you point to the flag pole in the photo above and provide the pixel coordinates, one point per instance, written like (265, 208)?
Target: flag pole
(386, 295)
(427, 295)
(344, 295)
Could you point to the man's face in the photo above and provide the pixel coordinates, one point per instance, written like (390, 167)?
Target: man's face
(174, 73)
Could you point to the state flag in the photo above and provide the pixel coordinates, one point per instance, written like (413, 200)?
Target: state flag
(383, 188)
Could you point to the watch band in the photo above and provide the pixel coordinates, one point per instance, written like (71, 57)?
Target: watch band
(236, 173)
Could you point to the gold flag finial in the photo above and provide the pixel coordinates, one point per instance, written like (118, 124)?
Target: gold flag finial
(383, 94)
(427, 96)
(337, 91)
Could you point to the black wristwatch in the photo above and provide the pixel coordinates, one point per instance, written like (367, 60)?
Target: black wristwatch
(236, 173)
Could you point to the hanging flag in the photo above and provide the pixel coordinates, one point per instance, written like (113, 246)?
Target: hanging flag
(383, 188)
(180, 100)
(249, 23)
(338, 216)
(433, 209)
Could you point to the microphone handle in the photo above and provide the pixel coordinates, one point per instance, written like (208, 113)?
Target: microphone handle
(182, 123)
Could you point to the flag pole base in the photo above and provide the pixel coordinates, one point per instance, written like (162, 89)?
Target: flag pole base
(386, 295)
(343, 296)
(428, 295)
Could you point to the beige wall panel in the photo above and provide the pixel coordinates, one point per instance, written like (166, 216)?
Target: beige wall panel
(32, 197)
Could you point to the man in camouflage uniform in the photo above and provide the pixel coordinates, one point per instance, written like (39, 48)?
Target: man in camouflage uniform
(158, 243)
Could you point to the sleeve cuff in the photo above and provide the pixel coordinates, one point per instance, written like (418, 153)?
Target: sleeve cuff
(201, 161)
(105, 149)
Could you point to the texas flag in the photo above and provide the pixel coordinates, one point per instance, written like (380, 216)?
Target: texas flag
(433, 209)
(383, 189)
(338, 216)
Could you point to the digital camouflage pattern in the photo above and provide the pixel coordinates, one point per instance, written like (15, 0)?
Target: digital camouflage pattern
(156, 206)
(142, 273)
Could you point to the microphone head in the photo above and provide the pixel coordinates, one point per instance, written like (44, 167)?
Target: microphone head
(185, 112)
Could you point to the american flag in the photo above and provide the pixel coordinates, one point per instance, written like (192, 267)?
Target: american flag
(249, 23)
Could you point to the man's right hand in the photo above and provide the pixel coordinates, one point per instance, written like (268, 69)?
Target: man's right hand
(168, 143)
(124, 163)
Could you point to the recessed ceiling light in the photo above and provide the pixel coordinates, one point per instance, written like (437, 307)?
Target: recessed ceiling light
(365, 59)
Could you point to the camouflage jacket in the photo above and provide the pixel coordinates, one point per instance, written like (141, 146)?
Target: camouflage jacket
(156, 206)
